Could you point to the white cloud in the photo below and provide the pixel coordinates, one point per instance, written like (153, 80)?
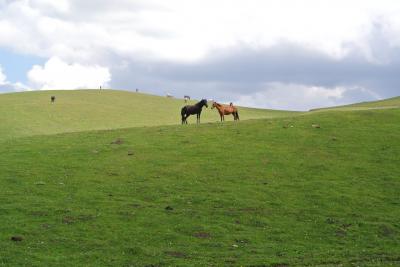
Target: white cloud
(61, 6)
(301, 97)
(57, 74)
(185, 30)
(2, 76)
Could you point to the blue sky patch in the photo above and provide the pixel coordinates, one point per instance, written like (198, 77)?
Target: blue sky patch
(16, 66)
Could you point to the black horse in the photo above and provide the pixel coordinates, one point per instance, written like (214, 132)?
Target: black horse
(194, 109)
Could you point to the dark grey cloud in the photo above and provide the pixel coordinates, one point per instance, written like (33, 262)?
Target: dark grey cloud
(242, 70)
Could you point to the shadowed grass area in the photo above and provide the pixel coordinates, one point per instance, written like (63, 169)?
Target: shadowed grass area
(31, 113)
(275, 192)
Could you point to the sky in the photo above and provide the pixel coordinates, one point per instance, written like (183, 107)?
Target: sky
(280, 54)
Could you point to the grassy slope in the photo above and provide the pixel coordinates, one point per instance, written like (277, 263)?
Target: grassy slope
(247, 193)
(381, 104)
(31, 113)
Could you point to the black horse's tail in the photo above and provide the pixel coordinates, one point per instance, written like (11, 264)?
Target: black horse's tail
(183, 114)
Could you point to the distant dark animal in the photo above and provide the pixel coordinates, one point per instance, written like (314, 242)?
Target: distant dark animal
(186, 98)
(193, 109)
(226, 110)
(53, 99)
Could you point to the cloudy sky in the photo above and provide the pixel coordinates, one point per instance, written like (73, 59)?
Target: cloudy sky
(285, 54)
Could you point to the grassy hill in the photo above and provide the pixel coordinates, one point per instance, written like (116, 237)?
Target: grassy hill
(268, 192)
(31, 113)
(274, 191)
(380, 104)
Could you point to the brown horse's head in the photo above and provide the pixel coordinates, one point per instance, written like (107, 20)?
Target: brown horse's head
(214, 105)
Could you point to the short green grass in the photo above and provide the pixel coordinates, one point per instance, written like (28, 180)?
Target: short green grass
(269, 192)
(31, 113)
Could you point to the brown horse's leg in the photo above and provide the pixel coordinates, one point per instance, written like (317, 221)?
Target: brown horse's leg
(221, 114)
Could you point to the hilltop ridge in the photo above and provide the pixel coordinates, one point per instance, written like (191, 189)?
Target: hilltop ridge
(32, 113)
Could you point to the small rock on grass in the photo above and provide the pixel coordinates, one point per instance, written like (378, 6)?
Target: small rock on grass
(316, 126)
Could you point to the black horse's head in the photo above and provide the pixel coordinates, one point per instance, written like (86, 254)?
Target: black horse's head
(204, 103)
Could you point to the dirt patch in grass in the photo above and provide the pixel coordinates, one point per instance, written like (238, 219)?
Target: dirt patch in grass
(68, 220)
(202, 235)
(279, 265)
(39, 213)
(242, 241)
(79, 218)
(386, 231)
(176, 254)
(117, 141)
(45, 226)
(341, 232)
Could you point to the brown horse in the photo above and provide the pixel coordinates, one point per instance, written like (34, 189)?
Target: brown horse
(226, 110)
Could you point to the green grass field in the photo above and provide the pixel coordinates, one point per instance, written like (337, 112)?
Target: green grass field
(262, 192)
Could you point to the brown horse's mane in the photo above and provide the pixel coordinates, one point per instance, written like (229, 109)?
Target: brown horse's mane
(218, 104)
(221, 105)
